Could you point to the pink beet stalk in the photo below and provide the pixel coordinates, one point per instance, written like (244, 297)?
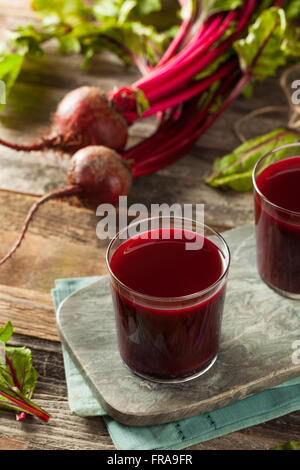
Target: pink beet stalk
(163, 74)
(26, 406)
(173, 82)
(192, 91)
(182, 141)
(184, 27)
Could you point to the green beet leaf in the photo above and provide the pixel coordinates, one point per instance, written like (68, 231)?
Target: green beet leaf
(10, 67)
(18, 377)
(69, 12)
(6, 332)
(264, 49)
(210, 7)
(291, 445)
(292, 8)
(234, 170)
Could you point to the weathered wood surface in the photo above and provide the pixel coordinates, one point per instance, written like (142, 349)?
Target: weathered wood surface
(62, 236)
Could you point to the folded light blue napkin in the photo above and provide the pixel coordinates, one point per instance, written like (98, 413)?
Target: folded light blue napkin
(264, 406)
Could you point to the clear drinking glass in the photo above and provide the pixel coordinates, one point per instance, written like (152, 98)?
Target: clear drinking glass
(168, 338)
(276, 181)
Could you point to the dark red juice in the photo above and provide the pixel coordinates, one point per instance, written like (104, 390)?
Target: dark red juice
(277, 217)
(168, 342)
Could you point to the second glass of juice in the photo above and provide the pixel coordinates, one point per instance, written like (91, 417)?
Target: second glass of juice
(168, 287)
(276, 180)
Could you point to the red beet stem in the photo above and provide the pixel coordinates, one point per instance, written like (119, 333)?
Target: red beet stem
(181, 146)
(192, 90)
(184, 27)
(23, 404)
(174, 125)
(167, 85)
(205, 30)
(169, 142)
(152, 142)
(176, 76)
(200, 56)
(58, 193)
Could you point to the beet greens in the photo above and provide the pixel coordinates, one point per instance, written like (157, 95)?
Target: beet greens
(18, 378)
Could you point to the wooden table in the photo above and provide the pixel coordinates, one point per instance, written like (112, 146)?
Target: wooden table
(62, 241)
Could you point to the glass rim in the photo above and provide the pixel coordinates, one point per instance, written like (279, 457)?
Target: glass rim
(227, 258)
(275, 206)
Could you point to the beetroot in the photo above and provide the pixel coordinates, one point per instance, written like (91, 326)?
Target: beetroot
(101, 174)
(96, 175)
(83, 117)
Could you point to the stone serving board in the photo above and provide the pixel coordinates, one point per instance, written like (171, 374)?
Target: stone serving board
(258, 330)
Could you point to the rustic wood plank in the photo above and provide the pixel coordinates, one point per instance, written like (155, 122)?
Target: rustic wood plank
(49, 260)
(19, 8)
(8, 443)
(29, 297)
(31, 312)
(285, 428)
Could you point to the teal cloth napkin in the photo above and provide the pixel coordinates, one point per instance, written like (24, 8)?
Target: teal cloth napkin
(264, 406)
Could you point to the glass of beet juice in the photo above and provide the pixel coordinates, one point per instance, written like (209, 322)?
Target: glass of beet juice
(168, 280)
(276, 180)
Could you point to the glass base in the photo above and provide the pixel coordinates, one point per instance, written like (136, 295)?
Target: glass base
(283, 293)
(175, 380)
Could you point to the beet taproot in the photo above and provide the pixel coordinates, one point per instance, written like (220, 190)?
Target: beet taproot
(96, 175)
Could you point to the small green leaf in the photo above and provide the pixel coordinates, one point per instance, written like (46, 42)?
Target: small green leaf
(6, 332)
(291, 445)
(142, 103)
(292, 8)
(234, 170)
(20, 358)
(61, 11)
(208, 7)
(213, 6)
(122, 10)
(260, 53)
(69, 44)
(10, 67)
(145, 7)
(125, 10)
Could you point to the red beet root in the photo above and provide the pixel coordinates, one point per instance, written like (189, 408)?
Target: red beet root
(83, 117)
(96, 175)
(101, 174)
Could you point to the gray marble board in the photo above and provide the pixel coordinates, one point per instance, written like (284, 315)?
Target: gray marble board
(258, 331)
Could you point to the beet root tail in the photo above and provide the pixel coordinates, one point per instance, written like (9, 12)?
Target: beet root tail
(43, 144)
(58, 193)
